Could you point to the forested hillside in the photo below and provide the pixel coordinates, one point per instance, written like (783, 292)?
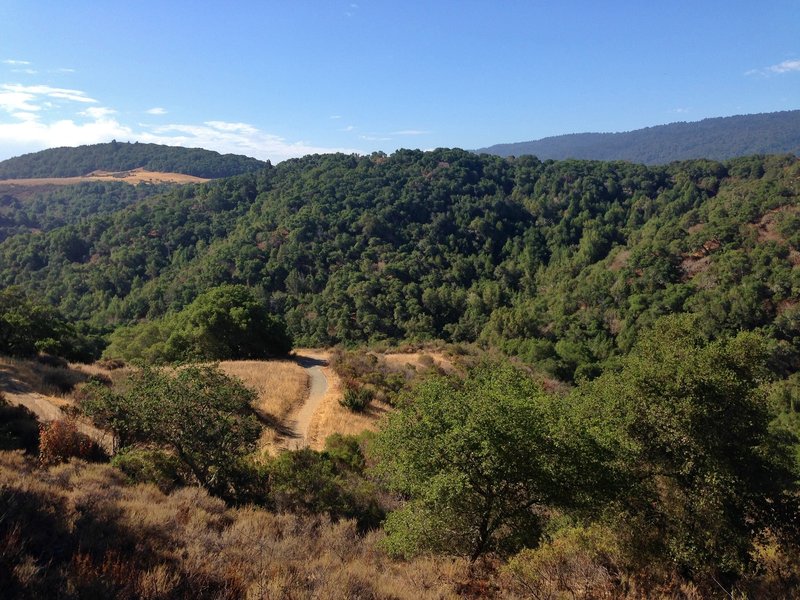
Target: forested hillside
(561, 263)
(42, 208)
(719, 138)
(664, 462)
(116, 156)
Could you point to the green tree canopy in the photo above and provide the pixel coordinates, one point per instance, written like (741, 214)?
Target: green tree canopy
(198, 413)
(226, 322)
(28, 327)
(477, 458)
(688, 421)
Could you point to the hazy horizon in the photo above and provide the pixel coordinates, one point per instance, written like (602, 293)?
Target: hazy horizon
(275, 81)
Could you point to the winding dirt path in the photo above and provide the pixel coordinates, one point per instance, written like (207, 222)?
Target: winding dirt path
(18, 394)
(299, 421)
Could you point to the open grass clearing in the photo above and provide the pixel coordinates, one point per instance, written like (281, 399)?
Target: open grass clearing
(134, 177)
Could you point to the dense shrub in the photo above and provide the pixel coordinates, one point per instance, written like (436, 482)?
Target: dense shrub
(151, 465)
(355, 396)
(329, 482)
(61, 440)
(199, 414)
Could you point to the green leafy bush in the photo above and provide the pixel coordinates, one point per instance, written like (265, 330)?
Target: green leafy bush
(329, 482)
(151, 465)
(355, 396)
(478, 460)
(199, 414)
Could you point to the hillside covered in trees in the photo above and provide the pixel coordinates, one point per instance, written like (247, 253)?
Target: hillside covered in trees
(116, 156)
(631, 429)
(719, 138)
(561, 263)
(45, 207)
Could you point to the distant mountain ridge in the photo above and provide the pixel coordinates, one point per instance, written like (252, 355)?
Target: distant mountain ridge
(124, 156)
(719, 138)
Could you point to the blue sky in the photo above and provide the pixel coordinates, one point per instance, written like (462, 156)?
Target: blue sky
(280, 79)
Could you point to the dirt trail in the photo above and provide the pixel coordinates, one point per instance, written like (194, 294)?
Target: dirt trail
(299, 421)
(46, 411)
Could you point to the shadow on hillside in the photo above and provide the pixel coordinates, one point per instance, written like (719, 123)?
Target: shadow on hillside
(282, 429)
(307, 362)
(19, 376)
(375, 410)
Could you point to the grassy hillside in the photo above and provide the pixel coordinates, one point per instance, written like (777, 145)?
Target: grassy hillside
(719, 138)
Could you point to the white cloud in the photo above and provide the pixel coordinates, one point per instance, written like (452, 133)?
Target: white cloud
(13, 101)
(410, 132)
(336, 116)
(97, 112)
(34, 134)
(348, 128)
(36, 117)
(10, 61)
(156, 110)
(234, 138)
(31, 92)
(25, 116)
(787, 66)
(375, 138)
(26, 71)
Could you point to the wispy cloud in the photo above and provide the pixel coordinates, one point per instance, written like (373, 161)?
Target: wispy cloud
(348, 128)
(375, 138)
(336, 116)
(40, 116)
(97, 112)
(236, 138)
(410, 132)
(787, 66)
(10, 61)
(39, 92)
(680, 110)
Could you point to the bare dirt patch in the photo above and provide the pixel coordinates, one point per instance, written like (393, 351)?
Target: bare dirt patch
(330, 416)
(767, 225)
(133, 177)
(619, 261)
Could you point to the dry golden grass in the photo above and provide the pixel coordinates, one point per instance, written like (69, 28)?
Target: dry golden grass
(134, 177)
(331, 417)
(142, 543)
(116, 376)
(19, 376)
(281, 385)
(418, 360)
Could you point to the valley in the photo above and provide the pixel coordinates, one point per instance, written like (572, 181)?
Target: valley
(439, 372)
